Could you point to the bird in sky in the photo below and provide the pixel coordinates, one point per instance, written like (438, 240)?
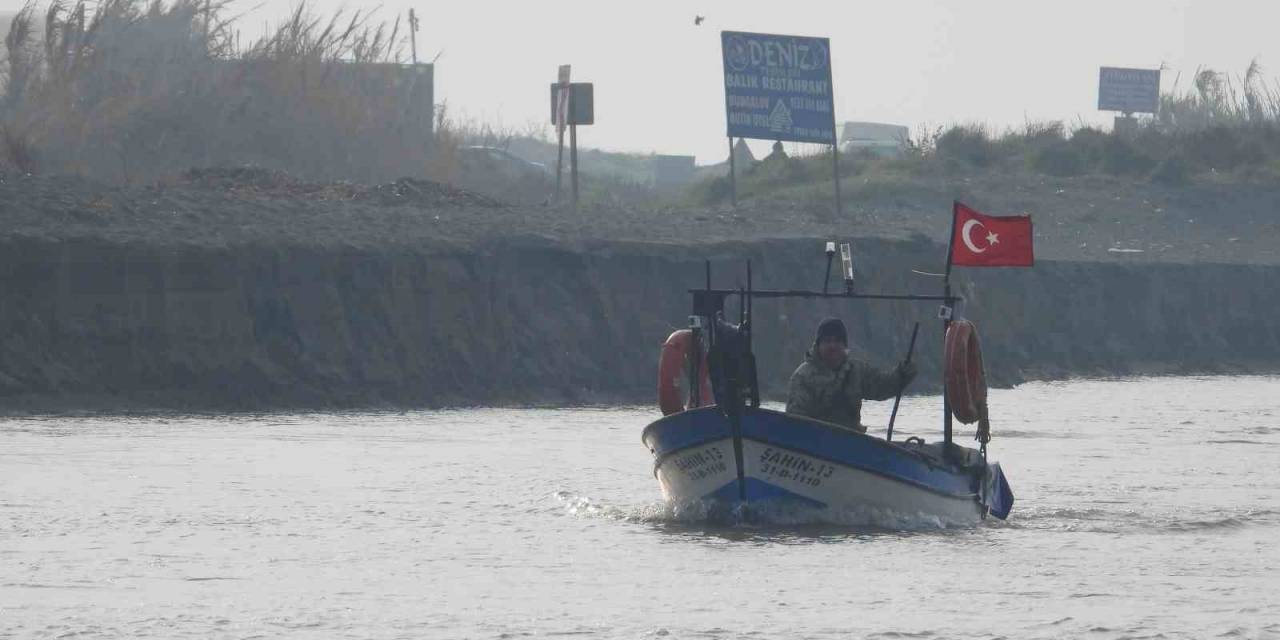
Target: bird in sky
(697, 20)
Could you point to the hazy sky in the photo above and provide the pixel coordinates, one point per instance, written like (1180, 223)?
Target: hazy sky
(659, 83)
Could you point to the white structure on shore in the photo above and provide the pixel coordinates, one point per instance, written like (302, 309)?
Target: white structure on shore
(877, 137)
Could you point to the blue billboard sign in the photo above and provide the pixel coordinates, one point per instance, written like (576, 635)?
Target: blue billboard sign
(778, 87)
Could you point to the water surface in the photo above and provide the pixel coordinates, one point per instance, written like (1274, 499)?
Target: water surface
(1147, 508)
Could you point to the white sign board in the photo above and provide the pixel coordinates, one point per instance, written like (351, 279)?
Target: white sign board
(1129, 90)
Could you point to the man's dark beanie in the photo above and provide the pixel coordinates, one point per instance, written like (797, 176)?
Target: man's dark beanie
(832, 328)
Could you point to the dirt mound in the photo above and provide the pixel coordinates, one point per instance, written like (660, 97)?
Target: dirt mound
(269, 182)
(414, 191)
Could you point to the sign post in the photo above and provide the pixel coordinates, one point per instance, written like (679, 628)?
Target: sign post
(733, 176)
(413, 34)
(835, 171)
(561, 118)
(573, 147)
(572, 104)
(778, 87)
(1128, 91)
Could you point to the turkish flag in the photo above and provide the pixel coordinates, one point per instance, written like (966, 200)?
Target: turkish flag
(980, 240)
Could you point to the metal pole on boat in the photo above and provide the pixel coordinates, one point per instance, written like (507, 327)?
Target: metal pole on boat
(734, 384)
(709, 309)
(735, 425)
(751, 355)
(700, 329)
(748, 323)
(946, 313)
(894, 415)
(730, 402)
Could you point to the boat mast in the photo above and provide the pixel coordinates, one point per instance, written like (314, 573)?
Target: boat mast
(732, 404)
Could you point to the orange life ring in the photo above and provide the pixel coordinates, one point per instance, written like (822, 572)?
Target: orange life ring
(672, 366)
(966, 380)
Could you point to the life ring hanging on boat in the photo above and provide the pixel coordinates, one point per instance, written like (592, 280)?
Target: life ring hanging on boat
(966, 380)
(672, 366)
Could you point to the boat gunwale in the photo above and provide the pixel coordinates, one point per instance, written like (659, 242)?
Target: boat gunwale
(972, 495)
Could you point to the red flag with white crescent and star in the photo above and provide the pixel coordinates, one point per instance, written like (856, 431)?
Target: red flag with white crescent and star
(980, 240)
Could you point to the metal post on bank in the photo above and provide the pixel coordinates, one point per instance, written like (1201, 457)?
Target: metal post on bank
(573, 146)
(572, 104)
(733, 175)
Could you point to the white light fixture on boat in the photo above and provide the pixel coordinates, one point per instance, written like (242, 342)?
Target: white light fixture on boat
(846, 255)
(826, 278)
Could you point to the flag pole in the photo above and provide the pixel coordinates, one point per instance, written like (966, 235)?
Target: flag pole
(951, 244)
(949, 305)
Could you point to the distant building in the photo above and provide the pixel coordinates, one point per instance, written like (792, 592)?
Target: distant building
(877, 137)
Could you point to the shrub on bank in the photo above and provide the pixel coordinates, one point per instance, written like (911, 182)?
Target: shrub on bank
(1061, 159)
(1173, 171)
(1219, 130)
(967, 144)
(1223, 148)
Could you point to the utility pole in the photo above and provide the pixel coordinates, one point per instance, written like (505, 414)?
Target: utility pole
(413, 35)
(208, 26)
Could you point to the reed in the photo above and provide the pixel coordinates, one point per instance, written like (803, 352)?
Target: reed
(131, 90)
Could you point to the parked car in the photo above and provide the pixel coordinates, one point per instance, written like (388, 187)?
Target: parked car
(501, 161)
(500, 174)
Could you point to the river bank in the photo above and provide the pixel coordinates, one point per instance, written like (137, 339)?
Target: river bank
(250, 296)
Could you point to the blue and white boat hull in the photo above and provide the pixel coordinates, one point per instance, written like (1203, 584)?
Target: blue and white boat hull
(811, 463)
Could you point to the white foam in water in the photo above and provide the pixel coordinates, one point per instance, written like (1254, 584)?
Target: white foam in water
(765, 514)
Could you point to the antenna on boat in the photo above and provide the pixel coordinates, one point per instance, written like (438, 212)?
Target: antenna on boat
(831, 253)
(749, 326)
(846, 256)
(699, 329)
(711, 316)
(749, 319)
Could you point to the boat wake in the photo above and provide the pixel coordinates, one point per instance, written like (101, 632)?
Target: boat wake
(1098, 520)
(769, 515)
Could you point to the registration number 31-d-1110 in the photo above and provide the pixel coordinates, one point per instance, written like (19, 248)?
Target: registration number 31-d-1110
(794, 467)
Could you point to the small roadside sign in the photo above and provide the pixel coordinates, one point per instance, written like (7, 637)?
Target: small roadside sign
(572, 104)
(581, 109)
(1129, 90)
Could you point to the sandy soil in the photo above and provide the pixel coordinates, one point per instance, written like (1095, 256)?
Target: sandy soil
(1085, 219)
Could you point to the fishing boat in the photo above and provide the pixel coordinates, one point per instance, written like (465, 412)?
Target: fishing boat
(716, 445)
(796, 460)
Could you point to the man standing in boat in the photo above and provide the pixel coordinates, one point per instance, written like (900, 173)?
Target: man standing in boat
(830, 385)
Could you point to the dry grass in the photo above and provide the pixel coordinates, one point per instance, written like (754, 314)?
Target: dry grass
(134, 90)
(1222, 129)
(1219, 99)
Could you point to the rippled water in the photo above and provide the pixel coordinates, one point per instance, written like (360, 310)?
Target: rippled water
(1146, 508)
